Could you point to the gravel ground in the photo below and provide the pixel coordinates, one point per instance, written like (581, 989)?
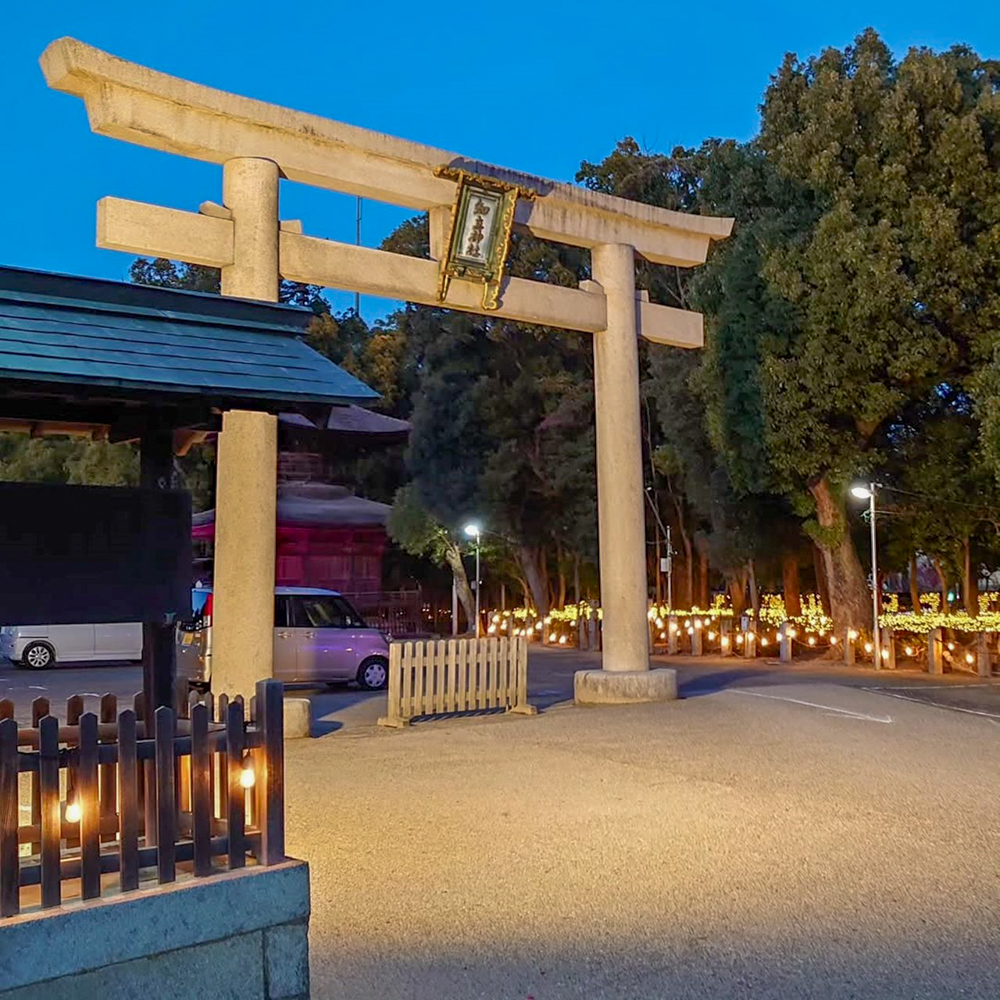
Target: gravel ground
(796, 837)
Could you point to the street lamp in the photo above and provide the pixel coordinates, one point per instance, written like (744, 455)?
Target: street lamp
(474, 531)
(861, 492)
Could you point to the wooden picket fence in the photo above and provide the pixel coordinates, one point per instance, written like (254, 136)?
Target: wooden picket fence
(456, 675)
(182, 790)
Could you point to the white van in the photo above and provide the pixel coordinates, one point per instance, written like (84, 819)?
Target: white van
(40, 646)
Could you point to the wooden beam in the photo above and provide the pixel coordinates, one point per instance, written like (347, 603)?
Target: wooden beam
(188, 236)
(135, 104)
(387, 275)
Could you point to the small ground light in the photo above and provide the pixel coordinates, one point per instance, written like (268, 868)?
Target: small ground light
(247, 777)
(812, 640)
(552, 637)
(562, 640)
(951, 646)
(833, 640)
(711, 636)
(969, 658)
(908, 650)
(663, 635)
(851, 634)
(73, 811)
(725, 641)
(763, 640)
(868, 647)
(739, 639)
(885, 654)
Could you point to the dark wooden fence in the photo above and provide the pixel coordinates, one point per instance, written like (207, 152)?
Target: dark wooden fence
(116, 794)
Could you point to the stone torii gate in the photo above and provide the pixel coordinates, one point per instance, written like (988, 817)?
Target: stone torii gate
(257, 144)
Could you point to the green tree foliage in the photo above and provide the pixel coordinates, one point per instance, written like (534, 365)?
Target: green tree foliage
(417, 532)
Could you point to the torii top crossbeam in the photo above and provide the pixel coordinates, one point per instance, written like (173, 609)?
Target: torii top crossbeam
(257, 143)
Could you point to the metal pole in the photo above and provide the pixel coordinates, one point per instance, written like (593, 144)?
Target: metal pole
(876, 639)
(477, 584)
(357, 241)
(670, 571)
(454, 605)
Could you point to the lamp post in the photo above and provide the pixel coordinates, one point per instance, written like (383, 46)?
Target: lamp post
(868, 493)
(474, 531)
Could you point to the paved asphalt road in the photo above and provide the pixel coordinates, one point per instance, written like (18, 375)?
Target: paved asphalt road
(779, 833)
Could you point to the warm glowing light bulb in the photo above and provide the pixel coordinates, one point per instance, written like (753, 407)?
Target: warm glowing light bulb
(851, 634)
(697, 623)
(969, 658)
(73, 811)
(673, 626)
(868, 647)
(763, 640)
(552, 637)
(885, 654)
(562, 640)
(951, 646)
(725, 641)
(833, 640)
(711, 636)
(908, 650)
(791, 633)
(663, 635)
(247, 777)
(812, 640)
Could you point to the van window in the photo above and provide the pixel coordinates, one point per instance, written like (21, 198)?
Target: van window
(281, 612)
(319, 611)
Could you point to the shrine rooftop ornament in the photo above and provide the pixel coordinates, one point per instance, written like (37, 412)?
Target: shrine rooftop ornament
(479, 237)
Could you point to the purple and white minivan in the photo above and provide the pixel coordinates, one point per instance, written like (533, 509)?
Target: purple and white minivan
(319, 638)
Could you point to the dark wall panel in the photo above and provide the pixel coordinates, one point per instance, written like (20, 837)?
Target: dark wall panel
(73, 554)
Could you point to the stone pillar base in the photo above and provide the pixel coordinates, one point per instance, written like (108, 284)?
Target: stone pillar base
(608, 687)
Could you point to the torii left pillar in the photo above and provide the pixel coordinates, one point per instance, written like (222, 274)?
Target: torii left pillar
(247, 458)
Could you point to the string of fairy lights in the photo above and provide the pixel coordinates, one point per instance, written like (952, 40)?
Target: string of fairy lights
(718, 629)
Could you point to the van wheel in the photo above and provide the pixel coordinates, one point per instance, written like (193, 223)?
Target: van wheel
(38, 656)
(373, 673)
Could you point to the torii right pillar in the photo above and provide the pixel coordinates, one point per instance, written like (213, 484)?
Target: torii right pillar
(626, 675)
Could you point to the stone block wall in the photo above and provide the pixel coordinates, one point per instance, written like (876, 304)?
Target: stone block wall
(240, 935)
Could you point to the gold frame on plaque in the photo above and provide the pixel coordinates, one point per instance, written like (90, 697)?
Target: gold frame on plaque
(490, 268)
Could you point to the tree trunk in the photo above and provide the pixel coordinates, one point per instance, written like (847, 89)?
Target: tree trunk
(822, 587)
(850, 601)
(533, 568)
(576, 579)
(453, 556)
(790, 585)
(754, 596)
(943, 583)
(915, 585)
(703, 598)
(736, 584)
(688, 554)
(970, 589)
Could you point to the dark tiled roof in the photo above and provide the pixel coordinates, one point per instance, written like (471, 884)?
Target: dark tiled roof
(91, 332)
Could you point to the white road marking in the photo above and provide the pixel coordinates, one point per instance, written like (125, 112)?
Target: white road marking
(992, 716)
(36, 687)
(885, 719)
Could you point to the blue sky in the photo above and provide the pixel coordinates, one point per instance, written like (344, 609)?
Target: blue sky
(536, 87)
